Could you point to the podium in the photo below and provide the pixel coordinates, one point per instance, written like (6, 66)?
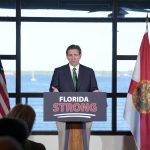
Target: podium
(76, 109)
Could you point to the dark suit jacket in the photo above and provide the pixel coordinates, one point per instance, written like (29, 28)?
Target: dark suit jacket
(31, 145)
(62, 79)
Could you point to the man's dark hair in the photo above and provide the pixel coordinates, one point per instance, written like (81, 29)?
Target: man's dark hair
(73, 47)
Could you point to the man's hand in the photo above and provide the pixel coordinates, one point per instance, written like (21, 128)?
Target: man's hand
(55, 89)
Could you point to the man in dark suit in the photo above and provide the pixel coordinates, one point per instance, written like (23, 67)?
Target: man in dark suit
(62, 81)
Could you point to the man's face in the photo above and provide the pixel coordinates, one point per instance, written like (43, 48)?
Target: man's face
(73, 57)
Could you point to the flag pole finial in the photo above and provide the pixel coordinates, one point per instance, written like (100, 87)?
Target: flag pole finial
(147, 22)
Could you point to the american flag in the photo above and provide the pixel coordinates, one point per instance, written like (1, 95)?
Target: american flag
(4, 98)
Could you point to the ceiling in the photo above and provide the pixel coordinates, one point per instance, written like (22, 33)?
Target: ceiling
(88, 5)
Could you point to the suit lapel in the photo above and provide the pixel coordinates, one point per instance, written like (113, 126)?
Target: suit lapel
(80, 77)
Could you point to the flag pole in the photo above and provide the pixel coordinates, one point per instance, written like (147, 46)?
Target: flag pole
(147, 22)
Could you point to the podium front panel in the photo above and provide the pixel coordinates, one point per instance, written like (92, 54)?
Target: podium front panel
(75, 106)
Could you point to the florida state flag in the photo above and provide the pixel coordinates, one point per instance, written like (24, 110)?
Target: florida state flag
(137, 109)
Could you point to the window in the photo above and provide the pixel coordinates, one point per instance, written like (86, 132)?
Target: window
(44, 39)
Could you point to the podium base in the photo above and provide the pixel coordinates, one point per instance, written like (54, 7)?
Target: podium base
(75, 136)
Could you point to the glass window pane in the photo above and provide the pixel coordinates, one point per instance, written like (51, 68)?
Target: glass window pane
(8, 38)
(135, 13)
(4, 11)
(104, 81)
(44, 47)
(38, 81)
(129, 38)
(62, 13)
(124, 74)
(7, 12)
(121, 123)
(134, 9)
(104, 125)
(12, 102)
(10, 75)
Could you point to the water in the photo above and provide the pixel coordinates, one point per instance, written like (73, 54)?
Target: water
(41, 84)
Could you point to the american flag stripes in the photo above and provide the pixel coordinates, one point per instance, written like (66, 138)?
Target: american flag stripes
(4, 98)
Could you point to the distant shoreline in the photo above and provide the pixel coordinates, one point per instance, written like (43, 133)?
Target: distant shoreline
(97, 73)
